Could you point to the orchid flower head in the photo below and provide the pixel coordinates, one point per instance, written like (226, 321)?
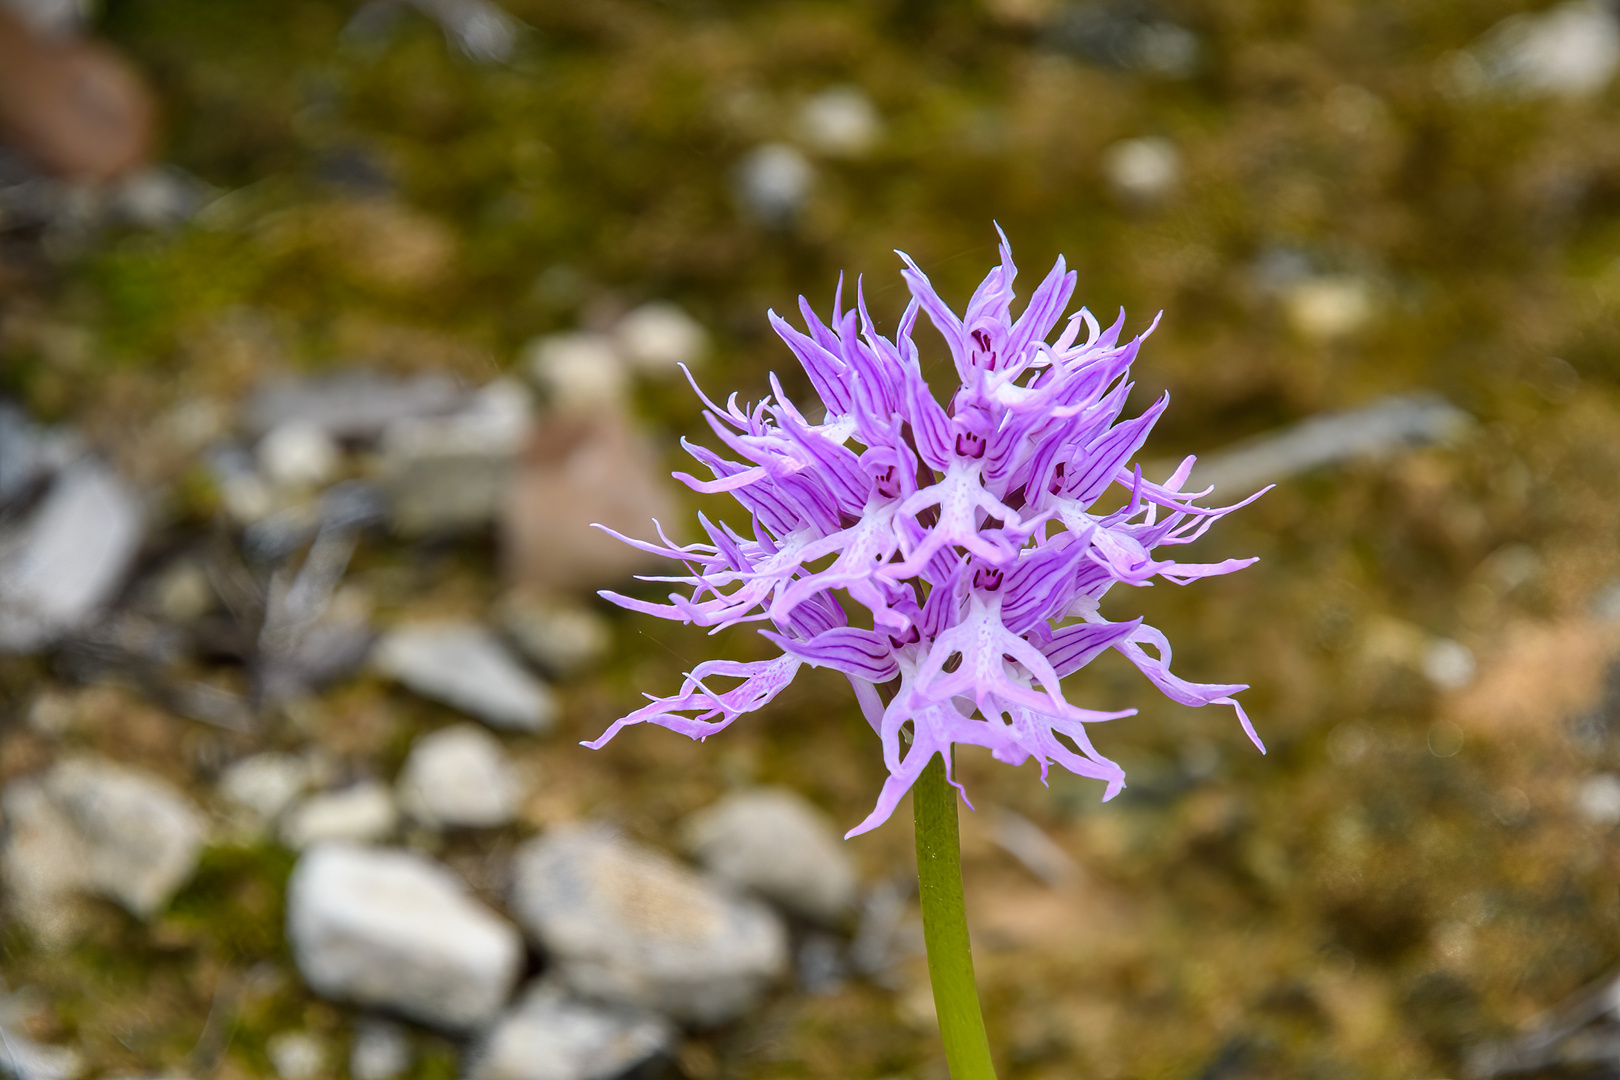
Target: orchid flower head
(949, 560)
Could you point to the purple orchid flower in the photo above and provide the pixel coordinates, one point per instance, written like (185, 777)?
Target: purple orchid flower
(965, 535)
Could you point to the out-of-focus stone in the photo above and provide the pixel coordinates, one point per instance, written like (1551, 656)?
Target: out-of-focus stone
(773, 841)
(1571, 50)
(95, 827)
(579, 470)
(1329, 308)
(381, 1050)
(74, 107)
(1598, 799)
(72, 557)
(628, 925)
(296, 1055)
(265, 784)
(577, 371)
(773, 182)
(30, 453)
(465, 666)
(298, 454)
(1448, 664)
(459, 776)
(352, 405)
(839, 121)
(395, 930)
(359, 813)
(552, 1036)
(1534, 676)
(450, 473)
(659, 336)
(25, 1059)
(1373, 431)
(563, 637)
(1144, 170)
(180, 592)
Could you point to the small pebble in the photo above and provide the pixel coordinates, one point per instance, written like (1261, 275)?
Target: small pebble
(361, 813)
(659, 336)
(298, 454)
(465, 666)
(296, 1055)
(381, 1050)
(840, 121)
(577, 370)
(774, 182)
(265, 784)
(459, 776)
(1143, 170)
(1598, 799)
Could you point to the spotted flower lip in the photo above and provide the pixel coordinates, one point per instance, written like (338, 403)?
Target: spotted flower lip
(965, 539)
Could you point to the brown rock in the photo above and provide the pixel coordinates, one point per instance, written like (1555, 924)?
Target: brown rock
(1537, 675)
(76, 108)
(579, 469)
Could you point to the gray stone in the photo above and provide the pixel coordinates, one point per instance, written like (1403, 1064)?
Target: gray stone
(351, 405)
(296, 1055)
(1374, 430)
(95, 827)
(840, 121)
(359, 813)
(629, 925)
(449, 473)
(562, 637)
(658, 337)
(465, 666)
(552, 1036)
(29, 453)
(71, 559)
(394, 930)
(26, 1059)
(773, 841)
(1143, 170)
(381, 1050)
(774, 182)
(1570, 50)
(578, 370)
(265, 784)
(298, 454)
(459, 776)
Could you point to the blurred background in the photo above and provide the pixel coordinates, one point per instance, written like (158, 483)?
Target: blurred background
(325, 328)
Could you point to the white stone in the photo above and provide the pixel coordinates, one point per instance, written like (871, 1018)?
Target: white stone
(359, 813)
(1598, 799)
(839, 121)
(1571, 50)
(1376, 430)
(391, 929)
(298, 454)
(380, 1051)
(659, 336)
(1143, 170)
(774, 182)
(459, 776)
(464, 665)
(628, 925)
(551, 1036)
(296, 1055)
(773, 841)
(1448, 664)
(95, 827)
(265, 784)
(25, 1059)
(1329, 308)
(449, 472)
(73, 555)
(562, 637)
(577, 370)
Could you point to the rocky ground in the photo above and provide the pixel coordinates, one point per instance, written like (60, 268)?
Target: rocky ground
(312, 379)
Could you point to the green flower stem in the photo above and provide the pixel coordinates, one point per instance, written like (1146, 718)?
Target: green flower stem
(950, 957)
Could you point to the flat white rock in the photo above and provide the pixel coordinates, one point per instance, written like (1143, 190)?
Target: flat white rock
(359, 813)
(552, 1036)
(73, 556)
(459, 776)
(465, 666)
(392, 929)
(629, 925)
(773, 841)
(90, 826)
